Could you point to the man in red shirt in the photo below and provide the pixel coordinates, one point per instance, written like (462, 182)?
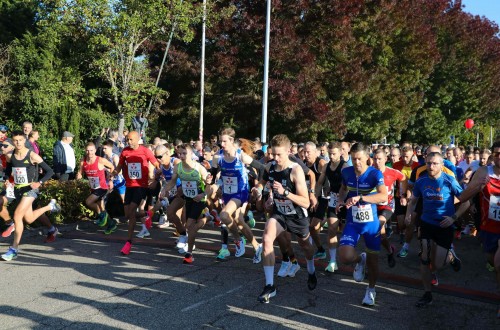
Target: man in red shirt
(134, 160)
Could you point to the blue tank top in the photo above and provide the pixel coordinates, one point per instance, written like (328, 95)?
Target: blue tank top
(168, 173)
(234, 175)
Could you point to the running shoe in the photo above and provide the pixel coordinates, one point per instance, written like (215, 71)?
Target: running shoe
(112, 226)
(285, 267)
(466, 230)
(51, 235)
(403, 253)
(217, 221)
(257, 258)
(164, 223)
(11, 254)
(359, 270)
(240, 248)
(126, 248)
(312, 281)
(332, 267)
(104, 220)
(148, 222)
(54, 207)
(369, 299)
(251, 219)
(10, 229)
(320, 255)
(456, 263)
(184, 249)
(294, 268)
(425, 301)
(188, 259)
(143, 233)
(223, 254)
(391, 261)
(182, 241)
(268, 292)
(434, 279)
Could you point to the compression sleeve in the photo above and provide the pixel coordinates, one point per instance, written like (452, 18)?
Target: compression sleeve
(257, 165)
(300, 162)
(48, 172)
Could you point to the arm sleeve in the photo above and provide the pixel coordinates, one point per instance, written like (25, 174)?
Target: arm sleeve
(257, 165)
(294, 159)
(48, 172)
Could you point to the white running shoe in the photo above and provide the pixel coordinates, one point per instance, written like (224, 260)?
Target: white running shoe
(240, 249)
(359, 270)
(257, 258)
(184, 249)
(294, 268)
(369, 299)
(182, 241)
(163, 222)
(143, 233)
(285, 265)
(332, 267)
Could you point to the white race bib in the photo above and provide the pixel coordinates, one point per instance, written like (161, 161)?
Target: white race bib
(173, 192)
(20, 175)
(362, 213)
(94, 182)
(230, 184)
(189, 188)
(285, 206)
(9, 191)
(334, 197)
(494, 209)
(134, 171)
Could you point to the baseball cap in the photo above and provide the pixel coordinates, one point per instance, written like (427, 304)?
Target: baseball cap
(67, 134)
(4, 128)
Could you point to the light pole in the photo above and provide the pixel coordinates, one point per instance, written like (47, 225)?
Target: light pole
(263, 131)
(202, 77)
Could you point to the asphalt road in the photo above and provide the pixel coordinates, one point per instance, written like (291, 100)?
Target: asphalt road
(82, 282)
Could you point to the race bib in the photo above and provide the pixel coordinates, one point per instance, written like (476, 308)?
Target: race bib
(20, 175)
(9, 191)
(362, 213)
(94, 182)
(189, 188)
(173, 192)
(230, 184)
(285, 206)
(134, 171)
(494, 209)
(333, 199)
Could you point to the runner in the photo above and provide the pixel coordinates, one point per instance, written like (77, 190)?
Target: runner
(364, 187)
(118, 182)
(332, 172)
(437, 190)
(94, 169)
(235, 193)
(386, 210)
(487, 181)
(136, 158)
(23, 164)
(193, 178)
(290, 197)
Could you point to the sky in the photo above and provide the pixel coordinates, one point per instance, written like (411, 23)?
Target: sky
(488, 8)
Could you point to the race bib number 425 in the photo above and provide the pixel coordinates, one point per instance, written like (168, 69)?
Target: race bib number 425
(362, 213)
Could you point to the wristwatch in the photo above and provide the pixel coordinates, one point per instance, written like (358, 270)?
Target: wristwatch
(454, 217)
(311, 191)
(286, 193)
(361, 198)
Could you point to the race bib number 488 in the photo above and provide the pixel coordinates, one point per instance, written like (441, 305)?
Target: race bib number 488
(362, 213)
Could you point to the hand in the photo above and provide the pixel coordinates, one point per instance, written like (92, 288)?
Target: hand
(352, 201)
(314, 201)
(278, 187)
(403, 201)
(256, 193)
(446, 222)
(35, 185)
(339, 205)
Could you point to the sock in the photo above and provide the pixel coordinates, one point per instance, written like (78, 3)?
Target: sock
(310, 266)
(371, 289)
(293, 260)
(144, 227)
(16, 250)
(311, 240)
(130, 241)
(9, 222)
(224, 246)
(406, 246)
(269, 273)
(333, 254)
(321, 249)
(225, 235)
(285, 257)
(183, 233)
(52, 229)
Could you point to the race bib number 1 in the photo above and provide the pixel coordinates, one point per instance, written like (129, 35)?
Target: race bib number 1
(285, 206)
(362, 213)
(189, 188)
(135, 171)
(494, 209)
(20, 175)
(230, 185)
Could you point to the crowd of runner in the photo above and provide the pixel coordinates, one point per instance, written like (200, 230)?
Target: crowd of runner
(351, 190)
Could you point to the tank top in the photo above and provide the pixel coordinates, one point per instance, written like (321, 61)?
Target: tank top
(234, 175)
(490, 203)
(282, 205)
(23, 171)
(96, 177)
(191, 181)
(335, 180)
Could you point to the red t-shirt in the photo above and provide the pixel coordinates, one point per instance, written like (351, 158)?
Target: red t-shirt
(135, 166)
(390, 177)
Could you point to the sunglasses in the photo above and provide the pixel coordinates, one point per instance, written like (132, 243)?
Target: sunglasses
(159, 157)
(5, 146)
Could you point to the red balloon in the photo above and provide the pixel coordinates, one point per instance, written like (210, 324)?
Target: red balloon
(469, 123)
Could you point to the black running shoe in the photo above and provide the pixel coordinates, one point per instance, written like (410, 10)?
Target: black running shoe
(391, 261)
(456, 263)
(269, 292)
(312, 280)
(425, 300)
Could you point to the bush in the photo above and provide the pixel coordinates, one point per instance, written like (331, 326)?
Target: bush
(71, 195)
